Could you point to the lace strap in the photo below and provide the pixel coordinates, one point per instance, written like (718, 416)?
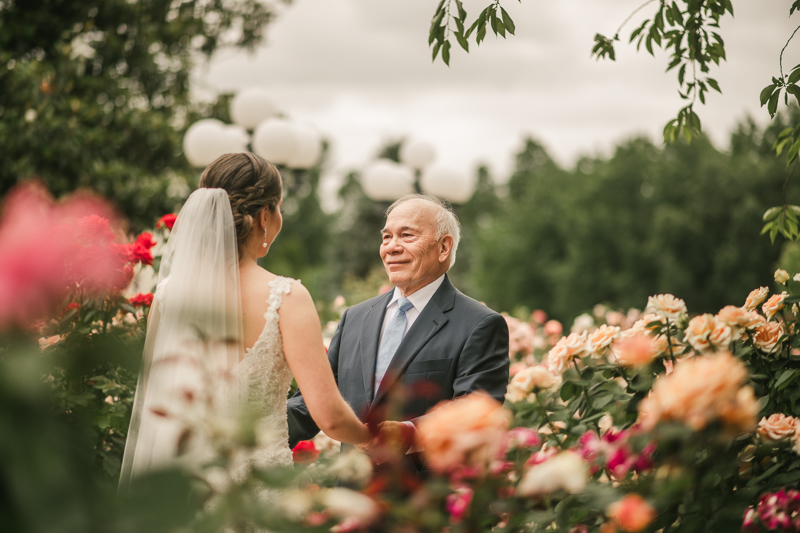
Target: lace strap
(161, 293)
(279, 286)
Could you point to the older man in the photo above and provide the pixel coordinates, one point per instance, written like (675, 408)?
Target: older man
(397, 355)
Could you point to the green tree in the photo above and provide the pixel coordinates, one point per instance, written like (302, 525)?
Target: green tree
(96, 94)
(681, 219)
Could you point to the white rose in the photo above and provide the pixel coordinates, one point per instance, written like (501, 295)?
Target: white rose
(353, 467)
(781, 276)
(584, 322)
(564, 471)
(346, 503)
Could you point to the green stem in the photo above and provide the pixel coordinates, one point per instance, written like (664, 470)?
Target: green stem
(616, 35)
(780, 58)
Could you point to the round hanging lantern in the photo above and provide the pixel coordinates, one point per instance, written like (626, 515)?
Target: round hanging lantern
(250, 107)
(384, 180)
(204, 142)
(448, 184)
(308, 147)
(417, 154)
(275, 141)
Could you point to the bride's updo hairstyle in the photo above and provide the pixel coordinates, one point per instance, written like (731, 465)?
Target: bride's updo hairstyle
(251, 182)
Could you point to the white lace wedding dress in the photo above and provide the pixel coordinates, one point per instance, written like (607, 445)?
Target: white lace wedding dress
(264, 373)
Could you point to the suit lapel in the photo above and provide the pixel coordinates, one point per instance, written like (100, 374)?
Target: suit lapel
(370, 337)
(427, 324)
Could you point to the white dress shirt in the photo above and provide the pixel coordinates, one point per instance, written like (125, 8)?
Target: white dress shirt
(419, 299)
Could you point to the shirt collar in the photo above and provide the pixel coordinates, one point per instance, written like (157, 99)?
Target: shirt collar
(421, 297)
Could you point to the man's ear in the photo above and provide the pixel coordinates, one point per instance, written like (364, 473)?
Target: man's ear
(445, 248)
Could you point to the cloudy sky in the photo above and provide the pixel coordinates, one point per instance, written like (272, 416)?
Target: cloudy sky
(360, 70)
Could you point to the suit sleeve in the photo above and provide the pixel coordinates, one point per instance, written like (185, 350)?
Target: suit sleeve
(301, 425)
(483, 363)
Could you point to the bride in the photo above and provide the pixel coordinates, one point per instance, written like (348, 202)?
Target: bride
(225, 335)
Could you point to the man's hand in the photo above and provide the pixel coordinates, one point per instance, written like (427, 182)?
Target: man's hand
(391, 443)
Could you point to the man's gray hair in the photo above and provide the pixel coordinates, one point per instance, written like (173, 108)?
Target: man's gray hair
(446, 220)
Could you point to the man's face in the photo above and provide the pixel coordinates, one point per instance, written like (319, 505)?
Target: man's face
(410, 252)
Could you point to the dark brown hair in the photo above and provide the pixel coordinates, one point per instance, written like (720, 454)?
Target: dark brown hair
(251, 182)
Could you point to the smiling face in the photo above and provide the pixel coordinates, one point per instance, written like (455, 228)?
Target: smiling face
(411, 254)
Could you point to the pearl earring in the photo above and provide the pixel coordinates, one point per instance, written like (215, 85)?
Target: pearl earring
(265, 238)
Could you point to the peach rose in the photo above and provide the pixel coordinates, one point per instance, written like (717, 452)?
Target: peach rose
(666, 305)
(774, 304)
(721, 336)
(636, 350)
(756, 320)
(755, 298)
(736, 317)
(701, 390)
(781, 276)
(648, 318)
(601, 338)
(565, 350)
(698, 331)
(777, 427)
(632, 513)
(469, 432)
(528, 381)
(767, 337)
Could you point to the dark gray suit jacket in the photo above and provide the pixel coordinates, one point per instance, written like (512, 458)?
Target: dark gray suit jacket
(455, 346)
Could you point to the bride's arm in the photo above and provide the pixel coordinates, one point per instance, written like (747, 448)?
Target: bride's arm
(305, 353)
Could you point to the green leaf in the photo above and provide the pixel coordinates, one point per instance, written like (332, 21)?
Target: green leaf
(794, 77)
(568, 390)
(436, 50)
(794, 90)
(792, 155)
(766, 92)
(772, 105)
(446, 53)
(507, 22)
(462, 13)
(714, 85)
(771, 213)
(784, 378)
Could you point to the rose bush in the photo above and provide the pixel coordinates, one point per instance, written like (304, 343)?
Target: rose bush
(629, 422)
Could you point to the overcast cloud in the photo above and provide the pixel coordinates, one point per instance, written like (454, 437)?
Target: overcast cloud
(360, 70)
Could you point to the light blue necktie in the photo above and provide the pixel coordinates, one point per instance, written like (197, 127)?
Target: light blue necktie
(392, 336)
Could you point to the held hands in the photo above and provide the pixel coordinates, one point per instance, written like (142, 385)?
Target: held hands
(391, 442)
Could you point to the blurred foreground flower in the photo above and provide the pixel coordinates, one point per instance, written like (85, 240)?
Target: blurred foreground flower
(632, 513)
(463, 434)
(48, 244)
(305, 452)
(565, 471)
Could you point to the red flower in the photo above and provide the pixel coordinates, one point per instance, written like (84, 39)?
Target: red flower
(305, 452)
(167, 221)
(73, 305)
(140, 250)
(142, 300)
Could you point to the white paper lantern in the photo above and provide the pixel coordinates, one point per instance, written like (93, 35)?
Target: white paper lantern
(417, 154)
(250, 107)
(275, 141)
(308, 147)
(385, 180)
(205, 140)
(448, 184)
(235, 138)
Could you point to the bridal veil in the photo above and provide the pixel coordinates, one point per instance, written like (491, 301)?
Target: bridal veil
(194, 336)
